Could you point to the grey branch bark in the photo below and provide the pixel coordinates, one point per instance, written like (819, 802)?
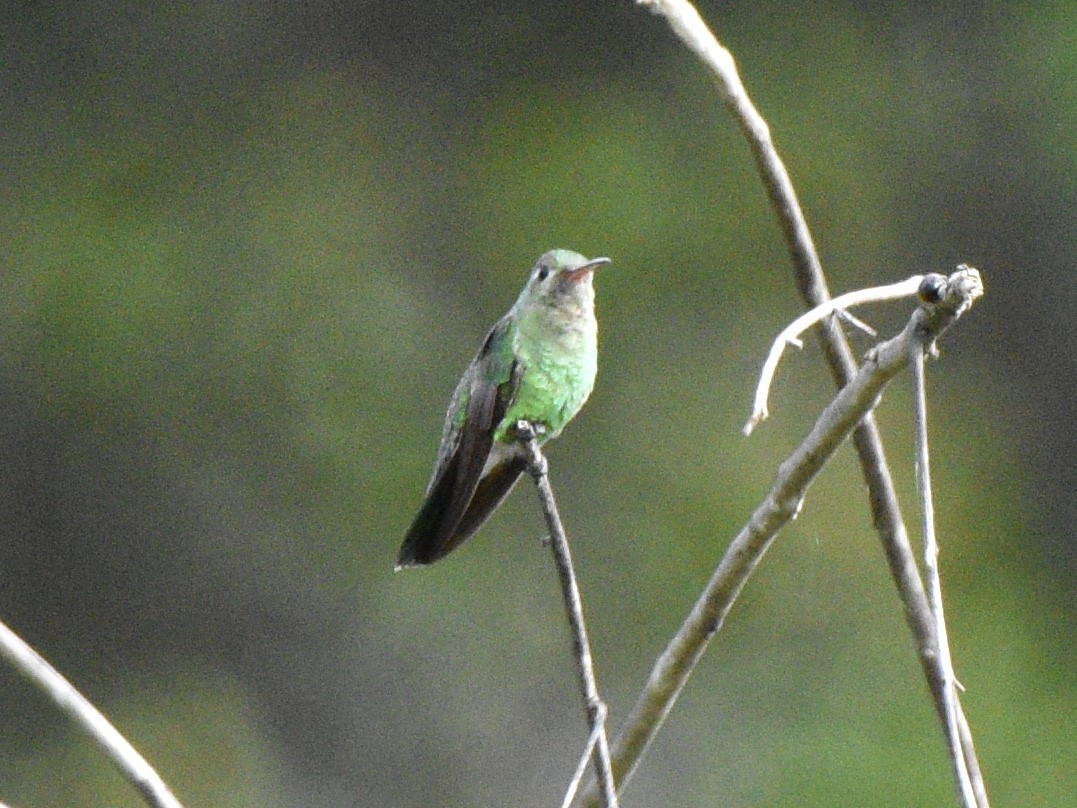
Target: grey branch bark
(970, 785)
(64, 695)
(570, 591)
(852, 404)
(886, 512)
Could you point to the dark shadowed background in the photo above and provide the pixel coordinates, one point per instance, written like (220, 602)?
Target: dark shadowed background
(246, 250)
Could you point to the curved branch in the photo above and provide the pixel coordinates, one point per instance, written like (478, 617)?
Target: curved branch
(64, 695)
(791, 333)
(885, 510)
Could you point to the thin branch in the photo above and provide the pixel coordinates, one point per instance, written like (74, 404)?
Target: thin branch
(970, 787)
(847, 317)
(882, 497)
(63, 694)
(971, 761)
(596, 709)
(790, 335)
(781, 505)
(935, 288)
(581, 767)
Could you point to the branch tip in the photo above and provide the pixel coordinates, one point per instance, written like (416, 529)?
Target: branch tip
(790, 335)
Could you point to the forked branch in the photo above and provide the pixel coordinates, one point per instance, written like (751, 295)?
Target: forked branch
(853, 403)
(686, 22)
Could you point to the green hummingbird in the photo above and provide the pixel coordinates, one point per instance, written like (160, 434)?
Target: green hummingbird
(536, 364)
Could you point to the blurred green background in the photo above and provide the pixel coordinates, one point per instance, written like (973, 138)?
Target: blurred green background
(246, 250)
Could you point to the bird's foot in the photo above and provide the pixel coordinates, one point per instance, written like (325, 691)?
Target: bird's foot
(528, 430)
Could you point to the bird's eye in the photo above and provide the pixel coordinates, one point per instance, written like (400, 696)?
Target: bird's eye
(543, 273)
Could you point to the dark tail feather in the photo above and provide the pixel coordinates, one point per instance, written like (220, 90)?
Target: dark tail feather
(491, 491)
(428, 539)
(437, 519)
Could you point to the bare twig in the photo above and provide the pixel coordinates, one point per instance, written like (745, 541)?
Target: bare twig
(63, 694)
(971, 761)
(885, 510)
(846, 316)
(581, 767)
(970, 794)
(596, 709)
(931, 573)
(791, 333)
(781, 504)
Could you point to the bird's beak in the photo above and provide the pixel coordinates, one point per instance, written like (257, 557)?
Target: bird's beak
(584, 269)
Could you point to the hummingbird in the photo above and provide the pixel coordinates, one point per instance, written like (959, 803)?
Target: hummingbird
(537, 364)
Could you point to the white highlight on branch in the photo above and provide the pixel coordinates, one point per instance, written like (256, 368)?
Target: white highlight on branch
(89, 718)
(790, 335)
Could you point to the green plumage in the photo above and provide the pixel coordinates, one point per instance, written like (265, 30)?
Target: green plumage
(538, 364)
